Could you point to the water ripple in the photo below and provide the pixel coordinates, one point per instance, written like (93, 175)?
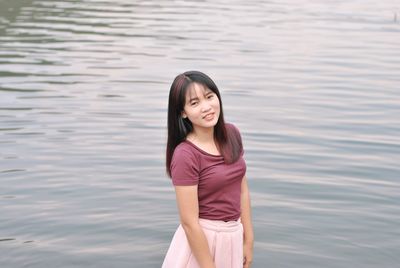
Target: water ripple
(313, 86)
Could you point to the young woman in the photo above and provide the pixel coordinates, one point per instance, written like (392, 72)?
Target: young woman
(205, 161)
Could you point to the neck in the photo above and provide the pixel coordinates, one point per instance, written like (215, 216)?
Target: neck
(203, 135)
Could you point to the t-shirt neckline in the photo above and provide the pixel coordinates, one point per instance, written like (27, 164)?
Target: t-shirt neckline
(201, 150)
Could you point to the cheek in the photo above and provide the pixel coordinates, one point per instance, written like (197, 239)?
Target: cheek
(216, 104)
(191, 113)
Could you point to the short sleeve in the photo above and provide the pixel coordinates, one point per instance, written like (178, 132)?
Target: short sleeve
(184, 167)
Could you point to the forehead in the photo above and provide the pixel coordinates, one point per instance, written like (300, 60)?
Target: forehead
(195, 90)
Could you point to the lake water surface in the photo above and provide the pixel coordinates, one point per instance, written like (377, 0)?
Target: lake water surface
(314, 87)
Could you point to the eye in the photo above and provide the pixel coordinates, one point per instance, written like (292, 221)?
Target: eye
(193, 103)
(210, 96)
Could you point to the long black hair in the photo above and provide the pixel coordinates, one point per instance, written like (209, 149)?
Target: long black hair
(228, 142)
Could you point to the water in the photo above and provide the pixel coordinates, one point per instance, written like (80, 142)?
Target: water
(312, 85)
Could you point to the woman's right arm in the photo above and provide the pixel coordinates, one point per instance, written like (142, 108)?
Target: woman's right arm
(188, 206)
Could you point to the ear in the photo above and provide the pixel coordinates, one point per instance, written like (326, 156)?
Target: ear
(183, 114)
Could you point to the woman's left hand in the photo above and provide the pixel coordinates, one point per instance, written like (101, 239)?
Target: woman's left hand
(247, 254)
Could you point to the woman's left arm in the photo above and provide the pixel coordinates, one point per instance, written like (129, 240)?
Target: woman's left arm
(248, 234)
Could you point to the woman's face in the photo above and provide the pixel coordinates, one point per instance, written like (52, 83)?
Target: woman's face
(202, 106)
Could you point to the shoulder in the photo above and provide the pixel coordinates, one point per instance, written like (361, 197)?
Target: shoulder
(185, 149)
(184, 152)
(184, 165)
(234, 139)
(231, 126)
(232, 129)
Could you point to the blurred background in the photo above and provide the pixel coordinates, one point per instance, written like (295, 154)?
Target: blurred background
(313, 85)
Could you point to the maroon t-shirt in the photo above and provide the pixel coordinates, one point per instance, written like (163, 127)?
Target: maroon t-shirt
(219, 184)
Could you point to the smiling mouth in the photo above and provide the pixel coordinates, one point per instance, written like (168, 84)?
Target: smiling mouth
(209, 116)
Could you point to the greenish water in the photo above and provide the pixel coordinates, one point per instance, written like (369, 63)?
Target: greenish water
(312, 85)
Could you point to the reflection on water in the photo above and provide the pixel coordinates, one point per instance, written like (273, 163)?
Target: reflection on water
(313, 86)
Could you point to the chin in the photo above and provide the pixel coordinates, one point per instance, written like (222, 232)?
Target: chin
(212, 123)
(208, 124)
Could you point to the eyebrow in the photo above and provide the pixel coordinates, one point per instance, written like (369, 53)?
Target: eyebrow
(192, 99)
(206, 91)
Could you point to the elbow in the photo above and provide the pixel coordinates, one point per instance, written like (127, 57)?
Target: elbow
(190, 225)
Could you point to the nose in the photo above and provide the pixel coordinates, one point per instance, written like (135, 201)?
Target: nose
(205, 107)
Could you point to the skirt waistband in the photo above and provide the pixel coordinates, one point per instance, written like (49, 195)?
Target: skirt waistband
(221, 226)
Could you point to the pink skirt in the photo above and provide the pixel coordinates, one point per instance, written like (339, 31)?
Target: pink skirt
(225, 241)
